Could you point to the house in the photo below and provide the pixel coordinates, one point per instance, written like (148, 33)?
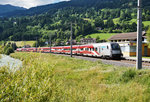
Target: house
(127, 42)
(74, 42)
(26, 46)
(98, 28)
(87, 40)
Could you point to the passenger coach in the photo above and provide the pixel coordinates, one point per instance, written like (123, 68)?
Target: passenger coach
(104, 50)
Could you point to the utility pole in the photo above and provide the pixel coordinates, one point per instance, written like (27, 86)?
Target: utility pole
(50, 42)
(71, 41)
(139, 36)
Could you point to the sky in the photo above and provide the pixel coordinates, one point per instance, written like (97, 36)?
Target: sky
(29, 3)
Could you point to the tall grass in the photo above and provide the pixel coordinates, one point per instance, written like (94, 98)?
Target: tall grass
(46, 77)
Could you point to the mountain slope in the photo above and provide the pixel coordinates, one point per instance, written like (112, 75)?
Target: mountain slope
(9, 8)
(99, 4)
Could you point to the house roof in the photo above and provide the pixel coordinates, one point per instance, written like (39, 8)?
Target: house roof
(88, 39)
(126, 36)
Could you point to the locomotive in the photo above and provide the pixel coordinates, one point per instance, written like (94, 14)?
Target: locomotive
(103, 50)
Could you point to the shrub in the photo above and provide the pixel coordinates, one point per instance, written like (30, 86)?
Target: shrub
(128, 75)
(9, 50)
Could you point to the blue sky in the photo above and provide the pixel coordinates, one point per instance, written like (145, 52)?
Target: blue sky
(29, 3)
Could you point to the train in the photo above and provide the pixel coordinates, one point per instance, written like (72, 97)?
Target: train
(102, 50)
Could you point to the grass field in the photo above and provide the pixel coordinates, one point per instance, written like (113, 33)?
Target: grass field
(142, 57)
(22, 43)
(54, 78)
(103, 36)
(116, 20)
(146, 23)
(147, 57)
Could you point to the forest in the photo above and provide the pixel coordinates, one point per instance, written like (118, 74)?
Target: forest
(55, 23)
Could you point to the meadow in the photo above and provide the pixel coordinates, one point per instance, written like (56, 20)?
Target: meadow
(55, 78)
(102, 36)
(116, 20)
(22, 43)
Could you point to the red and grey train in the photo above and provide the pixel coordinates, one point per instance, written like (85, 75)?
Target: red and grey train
(105, 50)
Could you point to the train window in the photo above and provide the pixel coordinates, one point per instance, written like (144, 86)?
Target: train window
(107, 47)
(96, 49)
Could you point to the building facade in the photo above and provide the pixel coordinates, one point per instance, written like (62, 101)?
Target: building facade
(87, 41)
(127, 42)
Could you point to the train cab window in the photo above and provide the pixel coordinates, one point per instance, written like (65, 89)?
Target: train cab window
(115, 46)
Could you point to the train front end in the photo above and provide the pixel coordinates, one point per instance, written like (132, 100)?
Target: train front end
(116, 51)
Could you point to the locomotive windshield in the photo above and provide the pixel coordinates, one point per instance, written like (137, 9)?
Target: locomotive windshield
(115, 46)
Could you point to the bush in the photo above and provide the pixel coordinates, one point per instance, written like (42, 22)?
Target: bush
(1, 50)
(9, 50)
(128, 75)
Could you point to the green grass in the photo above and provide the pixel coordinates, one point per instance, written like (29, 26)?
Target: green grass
(146, 23)
(54, 78)
(133, 20)
(105, 21)
(0, 56)
(147, 57)
(142, 57)
(116, 20)
(87, 19)
(22, 43)
(103, 36)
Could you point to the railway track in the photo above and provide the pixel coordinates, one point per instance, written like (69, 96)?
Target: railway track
(123, 62)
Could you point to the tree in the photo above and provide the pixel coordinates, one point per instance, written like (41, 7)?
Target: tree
(134, 26)
(14, 46)
(89, 36)
(148, 36)
(9, 51)
(110, 23)
(58, 42)
(97, 39)
(99, 22)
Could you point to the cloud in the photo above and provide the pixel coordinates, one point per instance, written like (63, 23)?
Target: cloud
(29, 3)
